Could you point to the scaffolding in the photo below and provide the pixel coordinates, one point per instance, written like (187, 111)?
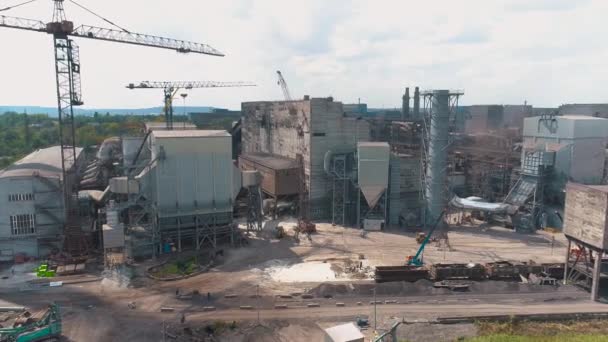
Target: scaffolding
(254, 209)
(339, 190)
(583, 266)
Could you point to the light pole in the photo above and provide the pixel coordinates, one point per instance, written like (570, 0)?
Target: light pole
(184, 95)
(257, 295)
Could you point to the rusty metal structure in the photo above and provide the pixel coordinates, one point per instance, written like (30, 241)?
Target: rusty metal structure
(486, 161)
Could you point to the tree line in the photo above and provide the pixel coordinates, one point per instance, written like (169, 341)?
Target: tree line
(21, 134)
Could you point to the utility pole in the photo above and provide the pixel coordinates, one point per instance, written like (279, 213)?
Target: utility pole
(257, 295)
(375, 312)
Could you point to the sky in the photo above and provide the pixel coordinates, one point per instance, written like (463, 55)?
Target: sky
(545, 52)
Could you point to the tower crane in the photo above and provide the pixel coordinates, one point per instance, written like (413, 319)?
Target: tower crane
(67, 71)
(284, 87)
(291, 106)
(170, 89)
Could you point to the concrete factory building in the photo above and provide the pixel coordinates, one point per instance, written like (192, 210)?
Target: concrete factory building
(310, 128)
(31, 204)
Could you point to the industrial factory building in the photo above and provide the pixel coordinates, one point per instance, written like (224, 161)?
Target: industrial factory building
(310, 128)
(577, 142)
(350, 180)
(180, 189)
(179, 192)
(31, 204)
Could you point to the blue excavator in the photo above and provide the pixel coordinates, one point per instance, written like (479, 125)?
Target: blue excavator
(416, 260)
(30, 328)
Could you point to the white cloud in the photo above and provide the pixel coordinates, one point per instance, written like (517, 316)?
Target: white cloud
(504, 51)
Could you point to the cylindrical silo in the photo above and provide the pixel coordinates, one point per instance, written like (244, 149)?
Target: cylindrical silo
(405, 106)
(436, 168)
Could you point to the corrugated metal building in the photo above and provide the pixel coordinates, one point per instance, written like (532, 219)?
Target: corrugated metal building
(31, 204)
(579, 143)
(162, 126)
(279, 174)
(193, 172)
(189, 185)
(309, 127)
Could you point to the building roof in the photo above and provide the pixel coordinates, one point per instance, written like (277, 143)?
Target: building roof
(271, 161)
(159, 126)
(373, 144)
(44, 162)
(199, 133)
(344, 333)
(579, 117)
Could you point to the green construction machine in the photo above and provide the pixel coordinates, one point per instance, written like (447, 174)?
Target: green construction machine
(45, 326)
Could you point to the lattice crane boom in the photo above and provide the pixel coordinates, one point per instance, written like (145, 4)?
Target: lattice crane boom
(187, 84)
(170, 89)
(107, 34)
(284, 86)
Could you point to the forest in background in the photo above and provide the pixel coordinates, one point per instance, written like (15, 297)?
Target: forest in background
(21, 134)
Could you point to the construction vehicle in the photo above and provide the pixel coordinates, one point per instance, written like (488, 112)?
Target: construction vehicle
(281, 82)
(279, 232)
(416, 260)
(69, 91)
(171, 88)
(420, 236)
(43, 326)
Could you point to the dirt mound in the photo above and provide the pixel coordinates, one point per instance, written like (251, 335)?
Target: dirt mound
(325, 290)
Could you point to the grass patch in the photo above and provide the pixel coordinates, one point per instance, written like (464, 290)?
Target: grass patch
(179, 267)
(558, 338)
(524, 331)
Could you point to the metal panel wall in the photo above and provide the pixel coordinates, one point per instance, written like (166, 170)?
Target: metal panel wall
(373, 162)
(195, 176)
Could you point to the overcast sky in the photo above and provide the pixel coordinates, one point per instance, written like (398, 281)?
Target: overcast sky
(546, 52)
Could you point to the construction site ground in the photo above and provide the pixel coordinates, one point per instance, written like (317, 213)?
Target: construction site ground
(297, 288)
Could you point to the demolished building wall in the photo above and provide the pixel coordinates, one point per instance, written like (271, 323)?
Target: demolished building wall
(310, 127)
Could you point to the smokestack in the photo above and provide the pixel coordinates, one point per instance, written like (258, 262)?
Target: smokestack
(416, 104)
(436, 168)
(405, 106)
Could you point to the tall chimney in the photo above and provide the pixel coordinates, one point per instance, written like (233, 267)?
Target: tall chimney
(416, 104)
(405, 106)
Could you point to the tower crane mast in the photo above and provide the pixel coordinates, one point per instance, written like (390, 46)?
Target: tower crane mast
(67, 70)
(170, 89)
